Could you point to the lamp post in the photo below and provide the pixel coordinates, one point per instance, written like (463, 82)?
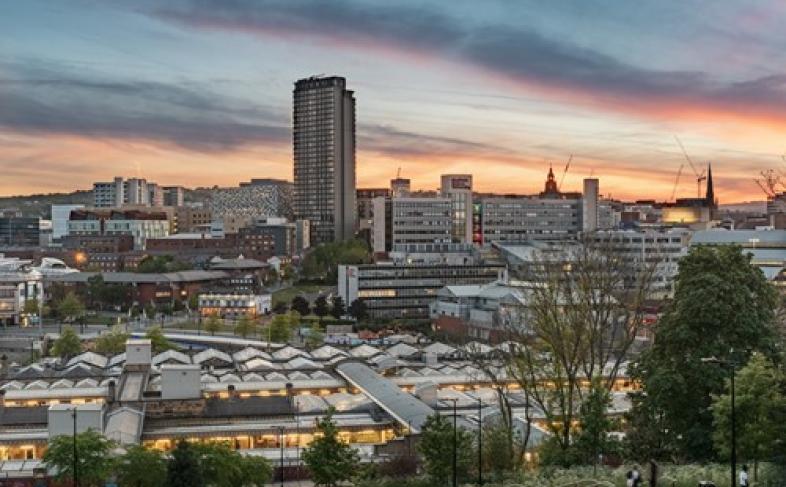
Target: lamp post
(732, 366)
(76, 457)
(281, 443)
(295, 411)
(480, 441)
(455, 444)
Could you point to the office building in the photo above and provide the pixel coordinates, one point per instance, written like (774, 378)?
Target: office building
(411, 220)
(120, 192)
(324, 157)
(268, 238)
(405, 291)
(519, 218)
(19, 282)
(193, 219)
(60, 217)
(458, 189)
(19, 231)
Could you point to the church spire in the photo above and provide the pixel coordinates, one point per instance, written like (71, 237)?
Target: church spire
(710, 196)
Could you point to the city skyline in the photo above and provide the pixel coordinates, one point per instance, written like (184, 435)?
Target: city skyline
(199, 93)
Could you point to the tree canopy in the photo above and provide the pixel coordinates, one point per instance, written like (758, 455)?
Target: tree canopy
(159, 264)
(329, 459)
(436, 448)
(70, 307)
(301, 305)
(93, 460)
(112, 342)
(157, 339)
(723, 307)
(184, 468)
(68, 344)
(323, 261)
(141, 467)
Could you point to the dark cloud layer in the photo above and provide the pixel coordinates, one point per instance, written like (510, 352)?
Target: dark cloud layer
(519, 53)
(59, 102)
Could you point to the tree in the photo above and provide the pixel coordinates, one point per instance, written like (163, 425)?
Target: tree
(721, 302)
(358, 310)
(70, 307)
(214, 324)
(436, 448)
(338, 309)
(315, 336)
(112, 342)
(329, 459)
(157, 339)
(222, 466)
(322, 262)
(594, 425)
(300, 304)
(31, 306)
(321, 307)
(582, 319)
(280, 307)
(93, 461)
(150, 311)
(501, 448)
(96, 288)
(161, 264)
(141, 467)
(280, 328)
(760, 412)
(184, 468)
(68, 344)
(245, 326)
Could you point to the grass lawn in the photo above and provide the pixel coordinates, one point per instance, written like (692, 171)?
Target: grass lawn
(286, 295)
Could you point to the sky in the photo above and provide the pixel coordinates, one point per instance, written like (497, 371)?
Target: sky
(199, 92)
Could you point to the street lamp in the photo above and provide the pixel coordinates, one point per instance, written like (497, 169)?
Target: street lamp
(281, 443)
(76, 457)
(455, 442)
(480, 441)
(732, 366)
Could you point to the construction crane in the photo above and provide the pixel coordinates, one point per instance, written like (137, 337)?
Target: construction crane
(564, 173)
(676, 182)
(699, 176)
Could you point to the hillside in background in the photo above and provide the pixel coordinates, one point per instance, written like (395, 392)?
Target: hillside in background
(40, 204)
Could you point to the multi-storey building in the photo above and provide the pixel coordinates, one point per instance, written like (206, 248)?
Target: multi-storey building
(19, 231)
(119, 192)
(519, 218)
(256, 199)
(405, 291)
(60, 215)
(193, 219)
(324, 153)
(458, 188)
(140, 225)
(18, 283)
(365, 201)
(174, 196)
(273, 236)
(410, 220)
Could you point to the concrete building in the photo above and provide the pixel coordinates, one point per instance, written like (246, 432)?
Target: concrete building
(120, 192)
(365, 202)
(410, 220)
(193, 219)
(458, 189)
(174, 196)
(590, 205)
(324, 152)
(405, 291)
(272, 237)
(60, 215)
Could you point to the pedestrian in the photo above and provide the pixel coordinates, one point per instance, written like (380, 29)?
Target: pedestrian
(629, 479)
(636, 476)
(744, 476)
